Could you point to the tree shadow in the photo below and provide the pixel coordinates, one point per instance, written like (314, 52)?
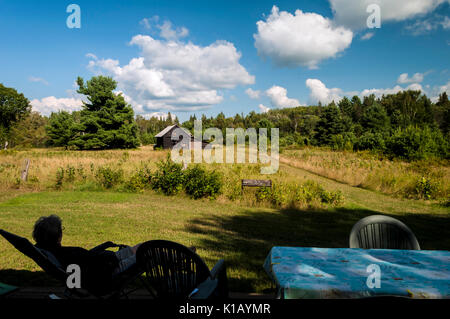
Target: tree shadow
(245, 240)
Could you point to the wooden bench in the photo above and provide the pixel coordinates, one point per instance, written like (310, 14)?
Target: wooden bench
(256, 183)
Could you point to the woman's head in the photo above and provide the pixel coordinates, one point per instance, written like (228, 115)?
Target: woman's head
(47, 231)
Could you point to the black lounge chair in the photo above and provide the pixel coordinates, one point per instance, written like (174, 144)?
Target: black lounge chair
(175, 271)
(382, 232)
(48, 262)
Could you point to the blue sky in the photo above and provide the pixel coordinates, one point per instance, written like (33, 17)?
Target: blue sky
(198, 57)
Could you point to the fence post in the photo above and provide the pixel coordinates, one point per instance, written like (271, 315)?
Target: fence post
(24, 174)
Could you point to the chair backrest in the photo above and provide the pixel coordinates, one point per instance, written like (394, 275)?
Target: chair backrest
(382, 232)
(172, 270)
(43, 258)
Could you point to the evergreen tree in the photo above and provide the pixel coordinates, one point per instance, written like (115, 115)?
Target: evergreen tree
(357, 109)
(443, 118)
(375, 119)
(107, 120)
(346, 107)
(61, 129)
(330, 124)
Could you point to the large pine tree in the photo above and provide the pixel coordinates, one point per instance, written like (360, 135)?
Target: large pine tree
(330, 124)
(107, 121)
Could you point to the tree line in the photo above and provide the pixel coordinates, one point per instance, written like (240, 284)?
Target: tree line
(406, 124)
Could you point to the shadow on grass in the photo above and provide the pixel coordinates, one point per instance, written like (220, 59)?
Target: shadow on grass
(245, 240)
(26, 278)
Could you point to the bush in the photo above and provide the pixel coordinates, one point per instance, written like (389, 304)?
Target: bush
(202, 183)
(307, 193)
(59, 178)
(287, 141)
(147, 139)
(168, 178)
(70, 171)
(263, 194)
(139, 180)
(370, 141)
(343, 141)
(107, 177)
(414, 143)
(311, 191)
(425, 188)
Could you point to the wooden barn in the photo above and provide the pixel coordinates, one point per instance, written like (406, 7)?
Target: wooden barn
(164, 138)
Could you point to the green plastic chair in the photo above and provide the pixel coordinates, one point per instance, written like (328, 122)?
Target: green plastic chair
(382, 232)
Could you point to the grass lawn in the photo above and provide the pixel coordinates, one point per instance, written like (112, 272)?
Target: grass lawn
(242, 235)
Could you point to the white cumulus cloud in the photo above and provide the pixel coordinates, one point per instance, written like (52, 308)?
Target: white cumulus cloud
(253, 94)
(263, 108)
(437, 90)
(302, 39)
(395, 89)
(320, 93)
(278, 97)
(172, 34)
(353, 14)
(50, 104)
(416, 78)
(173, 75)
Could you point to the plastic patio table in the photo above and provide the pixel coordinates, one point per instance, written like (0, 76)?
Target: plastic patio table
(305, 272)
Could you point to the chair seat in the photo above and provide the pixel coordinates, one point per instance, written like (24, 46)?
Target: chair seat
(174, 271)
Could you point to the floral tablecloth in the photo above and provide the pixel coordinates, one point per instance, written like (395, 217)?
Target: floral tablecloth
(304, 272)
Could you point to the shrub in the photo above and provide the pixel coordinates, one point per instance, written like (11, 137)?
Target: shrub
(263, 194)
(139, 180)
(414, 143)
(311, 191)
(70, 171)
(425, 188)
(343, 141)
(445, 202)
(287, 141)
(202, 183)
(278, 196)
(168, 177)
(80, 171)
(307, 193)
(59, 178)
(107, 177)
(147, 139)
(370, 141)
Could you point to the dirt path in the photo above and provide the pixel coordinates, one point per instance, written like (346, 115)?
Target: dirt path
(362, 198)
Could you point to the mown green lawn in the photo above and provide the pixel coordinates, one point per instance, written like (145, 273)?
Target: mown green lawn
(243, 236)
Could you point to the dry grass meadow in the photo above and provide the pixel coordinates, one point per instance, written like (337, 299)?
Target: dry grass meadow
(237, 226)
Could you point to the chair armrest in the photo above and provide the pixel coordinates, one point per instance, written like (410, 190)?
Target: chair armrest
(217, 269)
(205, 289)
(104, 246)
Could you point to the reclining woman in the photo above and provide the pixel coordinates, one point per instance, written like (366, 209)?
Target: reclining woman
(97, 267)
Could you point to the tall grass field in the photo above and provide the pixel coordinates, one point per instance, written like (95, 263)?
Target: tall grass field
(317, 196)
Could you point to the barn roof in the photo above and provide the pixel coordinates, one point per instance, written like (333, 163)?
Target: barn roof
(167, 129)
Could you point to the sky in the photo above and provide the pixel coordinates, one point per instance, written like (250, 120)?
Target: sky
(204, 57)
